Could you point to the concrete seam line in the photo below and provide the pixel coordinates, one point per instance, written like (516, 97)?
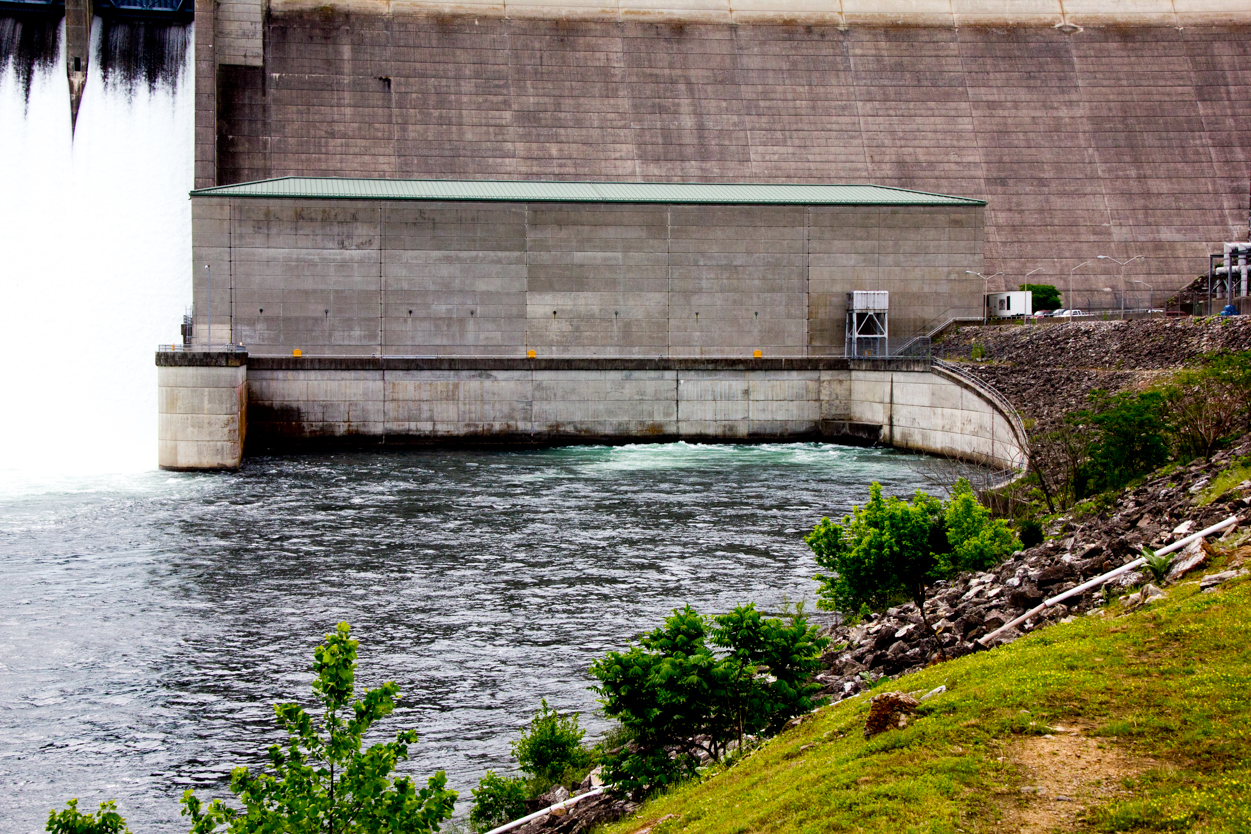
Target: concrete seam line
(509, 826)
(1099, 580)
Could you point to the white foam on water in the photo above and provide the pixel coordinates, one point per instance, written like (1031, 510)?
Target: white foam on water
(95, 267)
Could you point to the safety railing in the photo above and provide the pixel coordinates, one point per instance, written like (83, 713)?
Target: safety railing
(226, 348)
(1005, 408)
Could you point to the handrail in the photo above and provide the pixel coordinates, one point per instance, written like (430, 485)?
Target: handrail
(991, 393)
(224, 348)
(1001, 403)
(929, 331)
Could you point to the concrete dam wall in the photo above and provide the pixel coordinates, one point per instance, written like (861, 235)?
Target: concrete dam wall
(1125, 137)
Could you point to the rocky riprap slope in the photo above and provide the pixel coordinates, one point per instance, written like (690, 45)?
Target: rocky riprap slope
(1080, 548)
(1049, 370)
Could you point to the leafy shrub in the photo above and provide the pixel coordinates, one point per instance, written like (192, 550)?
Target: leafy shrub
(976, 540)
(889, 550)
(551, 745)
(1209, 404)
(497, 800)
(977, 352)
(1131, 439)
(1031, 533)
(676, 696)
(72, 821)
(321, 780)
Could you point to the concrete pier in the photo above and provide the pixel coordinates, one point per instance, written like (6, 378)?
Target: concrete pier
(78, 14)
(203, 402)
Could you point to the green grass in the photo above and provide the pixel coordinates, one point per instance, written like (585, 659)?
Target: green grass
(1238, 472)
(1170, 684)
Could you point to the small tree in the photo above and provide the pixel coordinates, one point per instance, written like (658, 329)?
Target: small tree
(551, 746)
(321, 781)
(676, 696)
(72, 821)
(1046, 296)
(890, 550)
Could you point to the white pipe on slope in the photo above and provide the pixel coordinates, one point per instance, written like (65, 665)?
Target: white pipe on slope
(509, 826)
(1099, 580)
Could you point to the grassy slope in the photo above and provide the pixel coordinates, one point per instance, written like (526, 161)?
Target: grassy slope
(1170, 683)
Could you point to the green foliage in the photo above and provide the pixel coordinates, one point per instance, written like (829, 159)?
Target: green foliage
(889, 549)
(1157, 565)
(1046, 296)
(879, 555)
(978, 352)
(551, 745)
(976, 540)
(675, 695)
(1162, 690)
(1031, 533)
(1130, 439)
(321, 780)
(72, 821)
(1209, 404)
(497, 800)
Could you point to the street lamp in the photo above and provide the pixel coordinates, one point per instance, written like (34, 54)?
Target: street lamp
(1150, 296)
(1073, 306)
(1122, 263)
(1026, 283)
(985, 285)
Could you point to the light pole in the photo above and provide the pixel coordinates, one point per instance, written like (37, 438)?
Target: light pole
(1073, 306)
(1025, 284)
(1150, 296)
(1122, 263)
(985, 285)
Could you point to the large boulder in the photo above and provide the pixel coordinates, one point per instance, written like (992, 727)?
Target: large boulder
(889, 711)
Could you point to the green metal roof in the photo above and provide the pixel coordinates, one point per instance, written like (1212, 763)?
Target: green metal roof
(339, 188)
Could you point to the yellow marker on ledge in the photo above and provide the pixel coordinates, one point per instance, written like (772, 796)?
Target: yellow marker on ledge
(296, 352)
(531, 354)
(758, 354)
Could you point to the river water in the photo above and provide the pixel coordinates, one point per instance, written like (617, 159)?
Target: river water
(148, 619)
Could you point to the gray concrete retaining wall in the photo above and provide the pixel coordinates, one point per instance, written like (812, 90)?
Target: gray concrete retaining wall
(300, 402)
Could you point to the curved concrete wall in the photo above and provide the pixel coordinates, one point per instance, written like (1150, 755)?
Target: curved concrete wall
(299, 402)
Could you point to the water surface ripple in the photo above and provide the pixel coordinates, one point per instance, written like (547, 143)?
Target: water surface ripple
(148, 621)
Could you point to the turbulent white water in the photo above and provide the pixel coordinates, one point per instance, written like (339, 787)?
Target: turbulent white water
(94, 264)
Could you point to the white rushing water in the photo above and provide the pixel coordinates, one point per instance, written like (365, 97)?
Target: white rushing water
(95, 268)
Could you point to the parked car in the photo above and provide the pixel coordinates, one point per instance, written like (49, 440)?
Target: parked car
(1070, 313)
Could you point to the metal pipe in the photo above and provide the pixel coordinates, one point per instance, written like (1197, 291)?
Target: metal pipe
(509, 826)
(1099, 580)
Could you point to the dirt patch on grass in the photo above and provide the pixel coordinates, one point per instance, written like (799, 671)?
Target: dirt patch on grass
(1063, 774)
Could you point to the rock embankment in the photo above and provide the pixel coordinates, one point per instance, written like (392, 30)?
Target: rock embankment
(1049, 370)
(1157, 513)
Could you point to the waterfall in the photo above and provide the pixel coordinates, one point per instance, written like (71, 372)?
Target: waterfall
(95, 253)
